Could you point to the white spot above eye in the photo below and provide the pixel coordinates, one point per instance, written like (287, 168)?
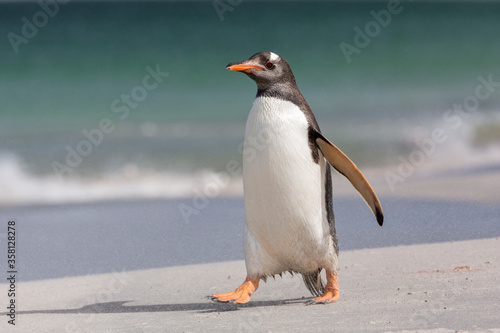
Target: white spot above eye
(273, 57)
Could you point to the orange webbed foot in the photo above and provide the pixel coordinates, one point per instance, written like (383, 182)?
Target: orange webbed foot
(331, 293)
(241, 295)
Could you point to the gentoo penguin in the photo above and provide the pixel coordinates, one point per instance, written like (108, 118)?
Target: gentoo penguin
(289, 222)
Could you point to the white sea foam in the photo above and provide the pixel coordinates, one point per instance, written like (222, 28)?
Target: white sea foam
(19, 187)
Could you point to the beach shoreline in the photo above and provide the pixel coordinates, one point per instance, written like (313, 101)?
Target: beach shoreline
(94, 238)
(140, 265)
(437, 287)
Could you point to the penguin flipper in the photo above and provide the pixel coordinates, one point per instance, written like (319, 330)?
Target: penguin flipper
(346, 167)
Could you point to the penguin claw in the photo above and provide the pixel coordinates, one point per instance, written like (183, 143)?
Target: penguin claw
(233, 299)
(327, 297)
(216, 299)
(318, 300)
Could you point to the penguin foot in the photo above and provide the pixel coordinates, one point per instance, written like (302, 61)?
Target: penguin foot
(241, 294)
(331, 293)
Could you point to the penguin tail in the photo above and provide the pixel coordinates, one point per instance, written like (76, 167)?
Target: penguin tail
(314, 282)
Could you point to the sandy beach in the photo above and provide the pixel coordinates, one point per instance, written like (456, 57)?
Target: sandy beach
(443, 287)
(139, 266)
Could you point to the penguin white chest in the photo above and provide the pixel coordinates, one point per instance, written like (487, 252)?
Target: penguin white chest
(286, 224)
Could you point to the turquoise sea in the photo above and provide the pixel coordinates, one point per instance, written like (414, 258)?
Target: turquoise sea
(140, 92)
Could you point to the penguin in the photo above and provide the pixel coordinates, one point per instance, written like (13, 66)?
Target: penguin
(287, 183)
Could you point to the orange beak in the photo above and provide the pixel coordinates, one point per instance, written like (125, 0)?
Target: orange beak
(243, 67)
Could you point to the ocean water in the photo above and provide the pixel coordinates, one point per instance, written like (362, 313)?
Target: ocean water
(106, 100)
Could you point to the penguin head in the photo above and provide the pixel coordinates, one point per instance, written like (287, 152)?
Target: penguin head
(267, 69)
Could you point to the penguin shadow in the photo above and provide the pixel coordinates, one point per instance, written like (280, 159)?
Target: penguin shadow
(205, 307)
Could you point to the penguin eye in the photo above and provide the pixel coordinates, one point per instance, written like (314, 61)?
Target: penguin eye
(269, 65)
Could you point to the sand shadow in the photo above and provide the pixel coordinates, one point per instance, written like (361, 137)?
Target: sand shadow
(206, 307)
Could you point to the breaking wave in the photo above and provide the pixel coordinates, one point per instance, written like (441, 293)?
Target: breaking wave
(19, 187)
